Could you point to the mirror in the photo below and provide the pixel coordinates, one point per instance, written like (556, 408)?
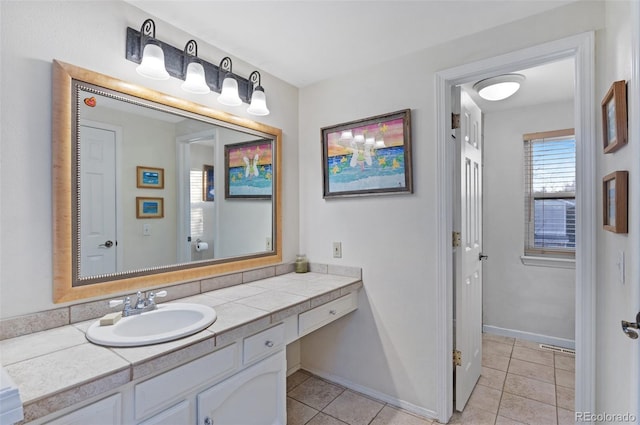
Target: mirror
(150, 189)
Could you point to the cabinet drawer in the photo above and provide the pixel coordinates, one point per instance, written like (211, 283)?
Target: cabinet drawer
(314, 319)
(156, 393)
(263, 343)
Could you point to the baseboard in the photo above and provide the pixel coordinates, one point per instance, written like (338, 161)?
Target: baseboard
(529, 336)
(293, 369)
(409, 407)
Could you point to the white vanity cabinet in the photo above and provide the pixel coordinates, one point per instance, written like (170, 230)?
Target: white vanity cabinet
(181, 413)
(105, 411)
(255, 396)
(241, 383)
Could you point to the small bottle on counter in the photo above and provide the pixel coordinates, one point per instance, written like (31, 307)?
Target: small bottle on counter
(302, 265)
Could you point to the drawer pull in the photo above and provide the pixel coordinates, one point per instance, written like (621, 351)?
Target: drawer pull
(269, 344)
(332, 312)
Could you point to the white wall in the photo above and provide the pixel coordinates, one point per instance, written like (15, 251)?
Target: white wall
(90, 35)
(538, 300)
(387, 346)
(618, 358)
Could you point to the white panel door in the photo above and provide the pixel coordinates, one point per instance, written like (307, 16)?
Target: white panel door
(255, 396)
(468, 261)
(97, 201)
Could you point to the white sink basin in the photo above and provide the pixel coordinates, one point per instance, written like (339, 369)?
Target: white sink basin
(166, 323)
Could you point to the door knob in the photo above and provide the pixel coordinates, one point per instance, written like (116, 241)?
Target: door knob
(481, 257)
(633, 325)
(107, 244)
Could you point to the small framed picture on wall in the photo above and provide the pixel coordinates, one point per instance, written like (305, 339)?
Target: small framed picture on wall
(614, 117)
(614, 201)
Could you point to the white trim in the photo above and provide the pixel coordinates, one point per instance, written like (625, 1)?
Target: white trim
(581, 48)
(529, 336)
(117, 130)
(405, 405)
(558, 263)
(633, 94)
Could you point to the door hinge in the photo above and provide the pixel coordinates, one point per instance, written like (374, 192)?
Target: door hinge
(455, 239)
(457, 358)
(455, 121)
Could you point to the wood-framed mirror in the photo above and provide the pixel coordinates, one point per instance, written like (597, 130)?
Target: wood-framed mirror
(138, 188)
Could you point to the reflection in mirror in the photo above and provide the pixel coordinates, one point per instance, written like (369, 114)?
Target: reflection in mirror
(139, 188)
(126, 150)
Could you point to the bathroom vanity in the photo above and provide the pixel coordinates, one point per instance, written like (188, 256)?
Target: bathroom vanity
(233, 372)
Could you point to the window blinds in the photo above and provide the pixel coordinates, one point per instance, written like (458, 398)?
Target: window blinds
(550, 191)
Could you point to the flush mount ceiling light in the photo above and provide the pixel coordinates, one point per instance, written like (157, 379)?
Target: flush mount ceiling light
(500, 87)
(159, 61)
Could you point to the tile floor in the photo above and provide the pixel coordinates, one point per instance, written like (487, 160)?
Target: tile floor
(520, 384)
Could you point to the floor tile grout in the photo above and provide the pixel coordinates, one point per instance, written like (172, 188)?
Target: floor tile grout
(459, 418)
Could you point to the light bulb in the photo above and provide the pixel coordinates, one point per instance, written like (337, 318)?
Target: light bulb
(195, 81)
(152, 65)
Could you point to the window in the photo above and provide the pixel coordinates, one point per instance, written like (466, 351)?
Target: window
(550, 194)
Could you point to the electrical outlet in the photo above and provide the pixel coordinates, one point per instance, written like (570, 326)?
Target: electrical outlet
(146, 230)
(269, 244)
(337, 250)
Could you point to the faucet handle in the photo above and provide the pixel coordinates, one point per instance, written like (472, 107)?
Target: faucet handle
(153, 295)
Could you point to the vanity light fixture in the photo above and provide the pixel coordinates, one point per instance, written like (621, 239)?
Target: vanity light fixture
(152, 64)
(499, 87)
(258, 104)
(194, 81)
(229, 94)
(159, 60)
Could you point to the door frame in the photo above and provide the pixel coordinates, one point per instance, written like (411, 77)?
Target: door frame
(118, 174)
(581, 48)
(183, 167)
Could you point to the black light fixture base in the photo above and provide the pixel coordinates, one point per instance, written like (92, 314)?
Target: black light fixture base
(176, 61)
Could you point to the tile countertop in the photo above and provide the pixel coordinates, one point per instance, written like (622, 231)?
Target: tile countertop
(59, 367)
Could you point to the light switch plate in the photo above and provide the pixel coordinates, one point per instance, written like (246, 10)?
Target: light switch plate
(620, 266)
(146, 230)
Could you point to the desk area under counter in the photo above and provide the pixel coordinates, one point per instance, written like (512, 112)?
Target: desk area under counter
(63, 378)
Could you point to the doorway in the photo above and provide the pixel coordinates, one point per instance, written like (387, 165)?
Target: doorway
(581, 49)
(101, 219)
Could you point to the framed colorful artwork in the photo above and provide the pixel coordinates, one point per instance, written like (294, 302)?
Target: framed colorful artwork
(207, 183)
(614, 117)
(149, 207)
(371, 156)
(248, 170)
(150, 177)
(614, 201)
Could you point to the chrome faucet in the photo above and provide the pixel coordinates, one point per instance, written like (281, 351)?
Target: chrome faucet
(141, 305)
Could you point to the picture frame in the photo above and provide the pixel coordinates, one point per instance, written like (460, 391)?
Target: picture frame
(370, 156)
(148, 207)
(208, 190)
(614, 201)
(149, 177)
(248, 170)
(614, 117)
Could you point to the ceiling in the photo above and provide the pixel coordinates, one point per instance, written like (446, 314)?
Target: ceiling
(306, 41)
(552, 82)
